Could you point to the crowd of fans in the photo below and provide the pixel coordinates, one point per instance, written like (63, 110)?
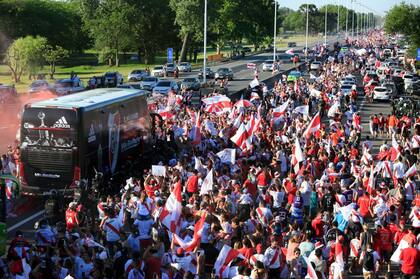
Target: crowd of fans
(256, 189)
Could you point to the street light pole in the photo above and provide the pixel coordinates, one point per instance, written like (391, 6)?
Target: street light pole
(307, 27)
(326, 18)
(338, 19)
(275, 31)
(347, 22)
(205, 42)
(352, 20)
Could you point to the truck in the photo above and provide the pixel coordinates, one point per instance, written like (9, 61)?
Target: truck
(66, 140)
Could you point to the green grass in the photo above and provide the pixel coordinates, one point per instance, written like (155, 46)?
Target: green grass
(89, 67)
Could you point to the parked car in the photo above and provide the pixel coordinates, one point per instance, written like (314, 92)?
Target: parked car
(268, 65)
(370, 76)
(209, 73)
(7, 94)
(316, 65)
(391, 87)
(38, 86)
(246, 49)
(408, 79)
(164, 86)
(414, 88)
(291, 44)
(137, 75)
(284, 58)
(112, 79)
(223, 73)
(381, 93)
(158, 71)
(68, 86)
(184, 67)
(170, 68)
(346, 89)
(191, 83)
(149, 83)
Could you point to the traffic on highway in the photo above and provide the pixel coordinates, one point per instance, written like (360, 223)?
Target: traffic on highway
(294, 162)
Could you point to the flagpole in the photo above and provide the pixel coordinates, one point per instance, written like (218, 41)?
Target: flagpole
(275, 32)
(205, 42)
(307, 28)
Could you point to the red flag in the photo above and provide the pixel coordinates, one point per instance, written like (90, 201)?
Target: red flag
(193, 243)
(170, 216)
(313, 126)
(225, 258)
(279, 111)
(412, 171)
(241, 138)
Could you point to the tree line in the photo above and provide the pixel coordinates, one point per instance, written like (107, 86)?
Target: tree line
(148, 27)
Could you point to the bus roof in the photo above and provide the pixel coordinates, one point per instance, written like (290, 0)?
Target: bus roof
(89, 99)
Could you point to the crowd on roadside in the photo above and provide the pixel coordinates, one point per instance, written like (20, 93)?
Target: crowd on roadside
(284, 185)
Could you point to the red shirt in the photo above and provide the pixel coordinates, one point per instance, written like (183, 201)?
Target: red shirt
(252, 188)
(364, 203)
(192, 184)
(262, 179)
(71, 219)
(318, 226)
(291, 189)
(153, 265)
(410, 259)
(385, 239)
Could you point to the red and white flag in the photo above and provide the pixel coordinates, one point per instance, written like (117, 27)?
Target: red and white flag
(302, 110)
(311, 270)
(396, 256)
(243, 103)
(290, 51)
(354, 248)
(207, 184)
(251, 65)
(222, 101)
(339, 253)
(412, 171)
(195, 132)
(313, 126)
(195, 241)
(297, 156)
(366, 158)
(166, 114)
(225, 258)
(281, 110)
(241, 138)
(395, 149)
(170, 216)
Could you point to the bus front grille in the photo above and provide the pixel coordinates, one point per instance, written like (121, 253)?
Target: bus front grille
(53, 161)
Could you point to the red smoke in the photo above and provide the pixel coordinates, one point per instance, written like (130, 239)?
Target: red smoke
(10, 116)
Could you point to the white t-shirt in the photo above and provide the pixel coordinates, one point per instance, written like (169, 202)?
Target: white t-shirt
(80, 267)
(144, 227)
(399, 170)
(111, 235)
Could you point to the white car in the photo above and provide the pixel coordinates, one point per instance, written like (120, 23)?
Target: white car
(381, 93)
(316, 65)
(158, 71)
(137, 75)
(348, 80)
(149, 83)
(184, 67)
(68, 86)
(268, 65)
(346, 89)
(164, 86)
(408, 79)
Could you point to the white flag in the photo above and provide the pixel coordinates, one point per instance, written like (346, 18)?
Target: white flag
(198, 165)
(227, 155)
(207, 185)
(254, 83)
(302, 109)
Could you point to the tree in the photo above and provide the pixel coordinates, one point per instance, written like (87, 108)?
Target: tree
(404, 19)
(108, 24)
(52, 55)
(190, 19)
(58, 21)
(25, 55)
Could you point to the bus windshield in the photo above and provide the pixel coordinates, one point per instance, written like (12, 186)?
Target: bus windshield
(49, 128)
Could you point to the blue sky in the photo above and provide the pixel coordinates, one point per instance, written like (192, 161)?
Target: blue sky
(381, 6)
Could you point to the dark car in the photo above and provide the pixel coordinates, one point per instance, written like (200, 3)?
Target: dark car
(38, 86)
(246, 49)
(399, 83)
(414, 88)
(223, 73)
(209, 73)
(191, 84)
(291, 44)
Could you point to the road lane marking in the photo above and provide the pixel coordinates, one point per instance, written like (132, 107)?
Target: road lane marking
(30, 218)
